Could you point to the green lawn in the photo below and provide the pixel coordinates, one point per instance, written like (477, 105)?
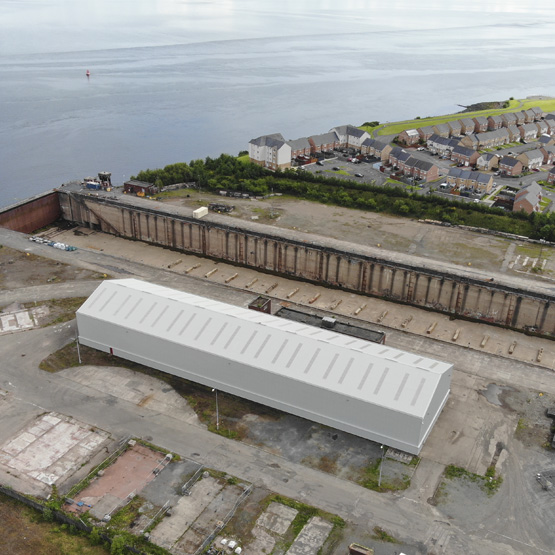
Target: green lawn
(244, 158)
(514, 105)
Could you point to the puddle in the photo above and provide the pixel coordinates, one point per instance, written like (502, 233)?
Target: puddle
(493, 392)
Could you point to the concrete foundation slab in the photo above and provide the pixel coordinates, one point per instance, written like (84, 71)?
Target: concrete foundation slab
(277, 518)
(312, 537)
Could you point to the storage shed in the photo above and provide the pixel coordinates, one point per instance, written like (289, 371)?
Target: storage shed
(370, 390)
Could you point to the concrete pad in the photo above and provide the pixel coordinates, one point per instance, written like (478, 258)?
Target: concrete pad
(48, 449)
(126, 476)
(277, 518)
(147, 392)
(262, 543)
(187, 510)
(312, 537)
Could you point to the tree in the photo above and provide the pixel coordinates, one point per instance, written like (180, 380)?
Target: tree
(118, 546)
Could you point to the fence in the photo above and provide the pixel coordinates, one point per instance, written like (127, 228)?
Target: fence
(209, 539)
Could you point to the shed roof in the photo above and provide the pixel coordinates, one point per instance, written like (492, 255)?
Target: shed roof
(380, 375)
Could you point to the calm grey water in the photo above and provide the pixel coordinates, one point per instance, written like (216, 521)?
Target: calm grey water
(174, 80)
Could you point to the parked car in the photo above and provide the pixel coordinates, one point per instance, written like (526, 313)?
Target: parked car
(420, 148)
(335, 169)
(320, 163)
(358, 175)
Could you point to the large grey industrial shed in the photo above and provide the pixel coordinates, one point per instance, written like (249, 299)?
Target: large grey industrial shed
(370, 390)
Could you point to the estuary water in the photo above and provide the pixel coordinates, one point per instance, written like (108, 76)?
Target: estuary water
(175, 80)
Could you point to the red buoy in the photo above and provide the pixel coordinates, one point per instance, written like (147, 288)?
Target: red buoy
(88, 73)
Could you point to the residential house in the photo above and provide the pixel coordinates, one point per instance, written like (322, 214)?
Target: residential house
(442, 129)
(299, 147)
(550, 116)
(324, 143)
(398, 156)
(270, 151)
(495, 122)
(480, 124)
(470, 180)
(421, 169)
(491, 139)
(543, 128)
(441, 145)
(350, 136)
(464, 155)
(467, 126)
(551, 175)
(374, 147)
(520, 118)
(550, 125)
(546, 140)
(548, 152)
(487, 161)
(425, 132)
(470, 141)
(455, 127)
(409, 137)
(509, 118)
(514, 133)
(538, 112)
(528, 199)
(528, 131)
(529, 116)
(510, 166)
(531, 160)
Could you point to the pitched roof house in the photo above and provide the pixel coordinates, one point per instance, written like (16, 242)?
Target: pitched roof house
(528, 199)
(464, 155)
(510, 166)
(509, 118)
(467, 126)
(324, 142)
(299, 147)
(528, 131)
(455, 127)
(487, 161)
(531, 160)
(495, 122)
(481, 124)
(270, 151)
(409, 137)
(350, 136)
(442, 129)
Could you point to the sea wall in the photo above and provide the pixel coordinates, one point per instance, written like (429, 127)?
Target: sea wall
(441, 287)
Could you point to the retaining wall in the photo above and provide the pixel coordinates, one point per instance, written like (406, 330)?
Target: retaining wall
(434, 285)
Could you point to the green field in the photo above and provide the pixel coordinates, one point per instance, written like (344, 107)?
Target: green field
(394, 128)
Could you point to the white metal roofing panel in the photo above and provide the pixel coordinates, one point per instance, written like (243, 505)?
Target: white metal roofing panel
(374, 373)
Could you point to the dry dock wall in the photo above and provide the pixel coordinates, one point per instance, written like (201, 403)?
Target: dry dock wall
(441, 287)
(31, 214)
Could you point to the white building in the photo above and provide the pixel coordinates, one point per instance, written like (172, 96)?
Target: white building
(270, 151)
(367, 389)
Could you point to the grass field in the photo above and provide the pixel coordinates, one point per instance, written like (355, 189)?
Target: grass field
(394, 128)
(25, 533)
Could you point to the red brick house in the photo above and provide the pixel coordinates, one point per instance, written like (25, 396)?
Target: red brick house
(409, 137)
(528, 199)
(510, 166)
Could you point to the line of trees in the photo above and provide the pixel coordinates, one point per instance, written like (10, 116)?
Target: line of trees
(228, 173)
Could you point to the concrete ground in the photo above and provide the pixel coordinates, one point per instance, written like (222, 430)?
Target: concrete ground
(408, 516)
(49, 450)
(311, 538)
(120, 481)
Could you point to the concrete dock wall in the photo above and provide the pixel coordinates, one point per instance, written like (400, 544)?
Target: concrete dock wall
(32, 214)
(436, 286)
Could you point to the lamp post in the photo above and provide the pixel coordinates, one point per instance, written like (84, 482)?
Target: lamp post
(381, 465)
(217, 410)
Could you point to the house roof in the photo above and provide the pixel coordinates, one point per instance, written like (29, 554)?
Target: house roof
(442, 128)
(496, 119)
(531, 192)
(325, 138)
(529, 127)
(467, 122)
(463, 151)
(349, 130)
(429, 129)
(298, 144)
(482, 120)
(412, 132)
(537, 110)
(535, 154)
(454, 125)
(487, 156)
(276, 139)
(356, 368)
(460, 173)
(423, 165)
(509, 161)
(509, 116)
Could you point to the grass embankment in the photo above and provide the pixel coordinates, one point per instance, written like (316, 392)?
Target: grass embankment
(396, 127)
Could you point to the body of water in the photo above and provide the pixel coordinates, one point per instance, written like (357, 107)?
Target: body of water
(175, 80)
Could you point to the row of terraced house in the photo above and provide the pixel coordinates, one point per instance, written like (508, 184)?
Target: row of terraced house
(274, 152)
(485, 132)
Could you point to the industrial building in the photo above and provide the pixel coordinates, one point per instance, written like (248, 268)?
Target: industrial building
(364, 388)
